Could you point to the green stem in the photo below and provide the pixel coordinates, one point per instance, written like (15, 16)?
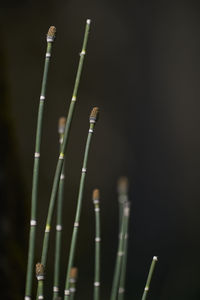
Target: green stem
(97, 250)
(146, 289)
(120, 253)
(124, 264)
(63, 149)
(73, 280)
(33, 222)
(56, 285)
(78, 211)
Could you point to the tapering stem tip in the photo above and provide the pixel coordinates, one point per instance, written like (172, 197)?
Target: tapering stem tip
(155, 258)
(51, 34)
(88, 21)
(96, 194)
(61, 125)
(94, 115)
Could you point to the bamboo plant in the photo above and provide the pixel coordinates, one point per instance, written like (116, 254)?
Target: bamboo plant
(92, 120)
(148, 282)
(33, 222)
(96, 196)
(56, 286)
(62, 154)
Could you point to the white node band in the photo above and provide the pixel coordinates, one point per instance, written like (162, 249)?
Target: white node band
(92, 121)
(55, 289)
(88, 21)
(42, 97)
(61, 156)
(67, 292)
(50, 39)
(82, 52)
(62, 176)
(61, 140)
(27, 298)
(58, 227)
(76, 224)
(97, 239)
(40, 277)
(96, 201)
(121, 290)
(126, 236)
(48, 54)
(97, 209)
(47, 229)
(72, 290)
(72, 280)
(74, 98)
(84, 170)
(96, 283)
(40, 297)
(91, 130)
(155, 258)
(33, 222)
(37, 155)
(120, 253)
(146, 288)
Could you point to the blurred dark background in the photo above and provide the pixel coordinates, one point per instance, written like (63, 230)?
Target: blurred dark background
(143, 70)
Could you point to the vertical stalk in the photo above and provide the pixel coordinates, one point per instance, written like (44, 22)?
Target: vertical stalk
(123, 198)
(122, 189)
(56, 286)
(73, 280)
(120, 253)
(97, 245)
(93, 119)
(33, 221)
(146, 289)
(63, 149)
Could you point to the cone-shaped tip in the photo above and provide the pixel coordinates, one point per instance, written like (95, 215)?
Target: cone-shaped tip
(94, 115)
(95, 195)
(122, 185)
(61, 125)
(74, 273)
(39, 269)
(51, 34)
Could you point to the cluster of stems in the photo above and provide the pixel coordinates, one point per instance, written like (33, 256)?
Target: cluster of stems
(62, 155)
(92, 120)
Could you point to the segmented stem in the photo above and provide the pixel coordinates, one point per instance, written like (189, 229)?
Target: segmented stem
(97, 245)
(73, 280)
(56, 285)
(63, 149)
(33, 222)
(79, 205)
(146, 289)
(120, 253)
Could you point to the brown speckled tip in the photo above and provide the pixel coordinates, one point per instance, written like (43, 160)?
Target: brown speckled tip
(122, 185)
(96, 194)
(61, 124)
(51, 32)
(94, 115)
(39, 269)
(74, 273)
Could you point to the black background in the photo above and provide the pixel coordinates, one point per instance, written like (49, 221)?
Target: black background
(143, 70)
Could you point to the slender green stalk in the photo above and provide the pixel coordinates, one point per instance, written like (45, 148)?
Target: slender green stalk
(93, 118)
(73, 280)
(33, 222)
(120, 253)
(97, 245)
(146, 289)
(63, 149)
(123, 198)
(56, 286)
(40, 277)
